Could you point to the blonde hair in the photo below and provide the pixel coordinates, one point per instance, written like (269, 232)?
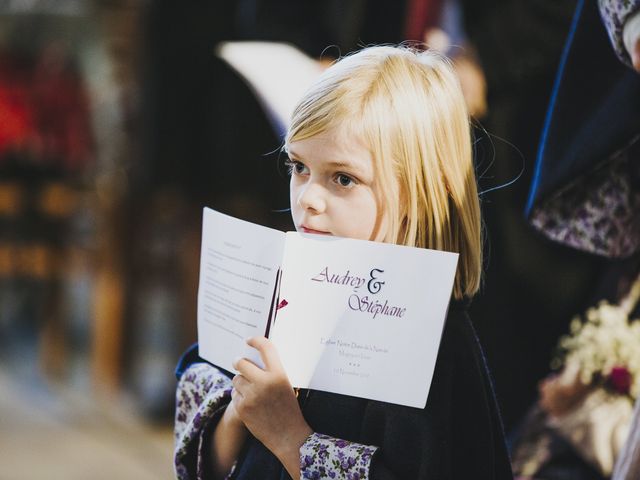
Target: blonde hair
(406, 105)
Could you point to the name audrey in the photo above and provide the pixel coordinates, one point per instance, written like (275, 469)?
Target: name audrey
(344, 279)
(364, 303)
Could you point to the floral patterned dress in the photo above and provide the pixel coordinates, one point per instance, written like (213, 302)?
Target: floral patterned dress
(203, 393)
(457, 435)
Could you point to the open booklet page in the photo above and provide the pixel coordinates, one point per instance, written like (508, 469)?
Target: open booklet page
(239, 265)
(357, 318)
(362, 318)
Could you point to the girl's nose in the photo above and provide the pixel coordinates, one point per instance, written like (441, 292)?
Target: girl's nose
(312, 197)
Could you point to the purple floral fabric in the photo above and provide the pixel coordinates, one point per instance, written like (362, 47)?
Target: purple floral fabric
(324, 457)
(203, 391)
(614, 14)
(598, 212)
(202, 394)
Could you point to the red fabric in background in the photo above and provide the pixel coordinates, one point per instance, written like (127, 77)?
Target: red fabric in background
(44, 112)
(16, 113)
(421, 15)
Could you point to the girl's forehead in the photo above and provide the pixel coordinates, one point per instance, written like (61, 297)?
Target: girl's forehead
(332, 147)
(337, 140)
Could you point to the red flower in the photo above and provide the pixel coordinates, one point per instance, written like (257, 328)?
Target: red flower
(620, 380)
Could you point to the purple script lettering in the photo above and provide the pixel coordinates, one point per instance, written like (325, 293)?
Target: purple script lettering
(375, 308)
(344, 279)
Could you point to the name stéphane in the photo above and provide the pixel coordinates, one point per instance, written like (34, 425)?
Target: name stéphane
(236, 289)
(363, 299)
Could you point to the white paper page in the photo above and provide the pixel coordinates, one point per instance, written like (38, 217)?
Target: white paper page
(239, 262)
(331, 339)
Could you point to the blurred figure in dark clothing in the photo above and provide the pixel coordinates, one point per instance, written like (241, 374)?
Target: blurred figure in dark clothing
(519, 44)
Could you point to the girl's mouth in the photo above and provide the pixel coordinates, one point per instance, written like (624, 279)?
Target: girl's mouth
(311, 230)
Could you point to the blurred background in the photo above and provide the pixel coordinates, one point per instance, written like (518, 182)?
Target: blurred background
(118, 123)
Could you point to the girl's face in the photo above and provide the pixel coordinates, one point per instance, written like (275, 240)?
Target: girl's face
(332, 188)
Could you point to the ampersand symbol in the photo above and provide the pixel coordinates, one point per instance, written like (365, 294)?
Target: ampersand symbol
(374, 285)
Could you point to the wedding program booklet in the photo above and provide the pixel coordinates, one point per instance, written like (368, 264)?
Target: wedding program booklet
(347, 316)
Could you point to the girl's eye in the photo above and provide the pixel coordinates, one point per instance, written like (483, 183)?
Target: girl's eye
(344, 180)
(296, 168)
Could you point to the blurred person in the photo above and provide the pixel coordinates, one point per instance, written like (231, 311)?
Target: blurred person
(518, 44)
(586, 195)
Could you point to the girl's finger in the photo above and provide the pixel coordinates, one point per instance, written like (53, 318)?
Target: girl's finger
(236, 394)
(239, 383)
(247, 368)
(267, 351)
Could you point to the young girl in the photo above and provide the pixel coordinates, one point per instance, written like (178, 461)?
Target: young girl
(380, 150)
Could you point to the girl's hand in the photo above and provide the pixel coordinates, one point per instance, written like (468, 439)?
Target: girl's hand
(266, 403)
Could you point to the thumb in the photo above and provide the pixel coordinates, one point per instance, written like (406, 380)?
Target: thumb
(268, 352)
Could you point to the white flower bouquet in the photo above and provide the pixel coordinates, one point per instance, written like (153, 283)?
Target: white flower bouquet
(604, 349)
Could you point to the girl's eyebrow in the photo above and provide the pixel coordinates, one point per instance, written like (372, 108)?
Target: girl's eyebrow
(336, 164)
(331, 163)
